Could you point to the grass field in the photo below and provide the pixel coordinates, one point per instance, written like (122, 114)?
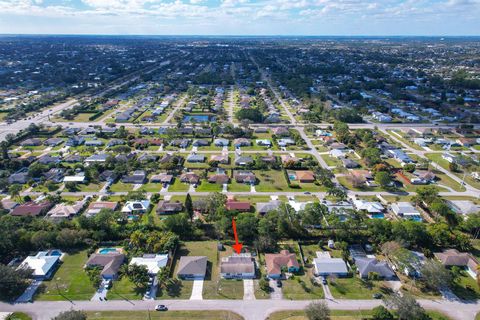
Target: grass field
(356, 288)
(206, 186)
(70, 282)
(170, 315)
(124, 289)
(271, 181)
(121, 187)
(178, 186)
(340, 315)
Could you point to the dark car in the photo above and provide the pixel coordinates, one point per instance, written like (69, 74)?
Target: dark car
(377, 296)
(279, 283)
(161, 307)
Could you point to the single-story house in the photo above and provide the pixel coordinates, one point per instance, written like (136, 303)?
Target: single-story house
(220, 142)
(366, 265)
(42, 264)
(241, 142)
(190, 177)
(53, 142)
(102, 157)
(263, 142)
(241, 206)
(406, 210)
(137, 177)
(220, 158)
(77, 178)
(275, 262)
(247, 177)
(238, 267)
(201, 143)
(162, 178)
(463, 207)
(96, 207)
(370, 207)
(325, 265)
(243, 160)
(136, 207)
(195, 158)
(109, 262)
(220, 178)
(192, 268)
(167, 207)
(305, 176)
(265, 207)
(153, 262)
(65, 211)
(34, 142)
(31, 209)
(452, 257)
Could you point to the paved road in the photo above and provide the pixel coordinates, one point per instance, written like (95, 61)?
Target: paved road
(249, 309)
(178, 105)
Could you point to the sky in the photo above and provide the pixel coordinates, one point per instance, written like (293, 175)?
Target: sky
(241, 17)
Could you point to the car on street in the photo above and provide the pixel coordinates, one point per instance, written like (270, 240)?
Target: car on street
(279, 283)
(161, 307)
(324, 280)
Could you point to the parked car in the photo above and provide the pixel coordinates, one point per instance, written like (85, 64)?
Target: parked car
(279, 283)
(161, 307)
(107, 284)
(324, 280)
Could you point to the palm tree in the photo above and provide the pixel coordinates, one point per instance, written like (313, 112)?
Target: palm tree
(14, 190)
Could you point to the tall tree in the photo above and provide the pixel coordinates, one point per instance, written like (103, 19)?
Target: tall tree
(189, 206)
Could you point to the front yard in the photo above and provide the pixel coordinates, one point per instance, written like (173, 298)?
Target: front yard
(70, 282)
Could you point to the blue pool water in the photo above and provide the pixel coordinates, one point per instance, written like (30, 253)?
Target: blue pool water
(198, 118)
(292, 177)
(107, 250)
(378, 216)
(55, 253)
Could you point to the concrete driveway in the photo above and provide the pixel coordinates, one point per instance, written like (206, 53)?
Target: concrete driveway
(197, 290)
(100, 293)
(248, 289)
(276, 293)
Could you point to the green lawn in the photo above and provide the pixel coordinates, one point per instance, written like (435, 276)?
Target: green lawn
(271, 181)
(206, 186)
(215, 287)
(238, 187)
(124, 289)
(151, 187)
(466, 287)
(18, 316)
(170, 315)
(356, 288)
(70, 282)
(437, 158)
(91, 187)
(340, 315)
(302, 288)
(178, 186)
(121, 187)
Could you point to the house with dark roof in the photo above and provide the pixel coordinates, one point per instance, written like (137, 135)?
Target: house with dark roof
(162, 178)
(275, 262)
(220, 178)
(366, 265)
(454, 258)
(137, 177)
(246, 177)
(167, 207)
(49, 160)
(243, 160)
(241, 206)
(192, 268)
(220, 142)
(265, 207)
(110, 263)
(190, 177)
(195, 158)
(53, 142)
(201, 143)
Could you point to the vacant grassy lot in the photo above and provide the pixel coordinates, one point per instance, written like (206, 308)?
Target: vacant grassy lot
(206, 186)
(466, 287)
(124, 289)
(302, 288)
(121, 187)
(70, 282)
(356, 288)
(271, 180)
(339, 315)
(178, 186)
(170, 315)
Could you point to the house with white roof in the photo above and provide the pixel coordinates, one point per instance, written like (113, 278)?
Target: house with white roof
(136, 207)
(153, 262)
(325, 265)
(42, 264)
(368, 206)
(406, 210)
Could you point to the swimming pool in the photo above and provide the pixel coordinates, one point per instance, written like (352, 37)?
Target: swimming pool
(378, 216)
(198, 118)
(292, 177)
(107, 250)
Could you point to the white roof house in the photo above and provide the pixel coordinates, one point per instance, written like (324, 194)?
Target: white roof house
(370, 207)
(402, 209)
(153, 262)
(140, 206)
(42, 263)
(76, 178)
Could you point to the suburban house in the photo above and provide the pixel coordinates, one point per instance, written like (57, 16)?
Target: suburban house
(406, 210)
(65, 211)
(369, 207)
(190, 177)
(238, 267)
(288, 159)
(31, 209)
(220, 158)
(109, 263)
(263, 142)
(220, 178)
(325, 265)
(280, 131)
(102, 157)
(241, 206)
(265, 207)
(276, 262)
(241, 142)
(463, 207)
(77, 178)
(167, 207)
(366, 265)
(452, 257)
(305, 176)
(95, 207)
(243, 160)
(200, 143)
(43, 264)
(192, 268)
(153, 262)
(136, 207)
(246, 177)
(53, 142)
(220, 142)
(423, 177)
(195, 158)
(137, 177)
(162, 178)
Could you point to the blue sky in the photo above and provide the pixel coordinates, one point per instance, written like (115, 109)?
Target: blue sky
(241, 17)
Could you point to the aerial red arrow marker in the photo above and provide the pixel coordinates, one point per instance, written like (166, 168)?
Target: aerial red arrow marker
(237, 246)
